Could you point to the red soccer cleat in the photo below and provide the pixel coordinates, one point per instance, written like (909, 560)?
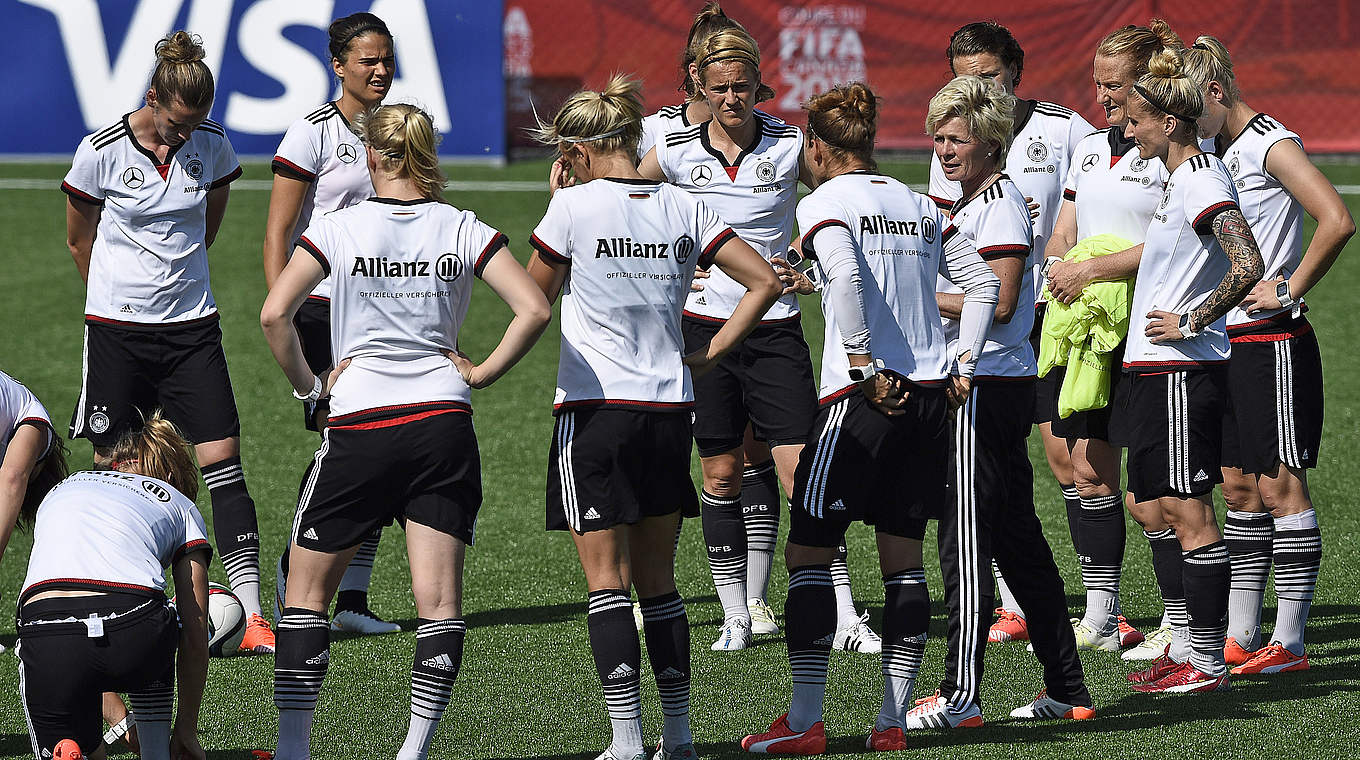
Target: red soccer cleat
(1271, 659)
(1160, 668)
(889, 739)
(1009, 626)
(259, 637)
(1128, 635)
(1187, 679)
(782, 740)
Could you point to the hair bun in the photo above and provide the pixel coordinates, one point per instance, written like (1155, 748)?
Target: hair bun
(860, 101)
(180, 47)
(1166, 64)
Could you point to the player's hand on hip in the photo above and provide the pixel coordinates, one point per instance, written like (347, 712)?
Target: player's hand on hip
(1033, 206)
(332, 376)
(1263, 296)
(465, 367)
(794, 280)
(697, 284)
(700, 362)
(958, 389)
(886, 392)
(1164, 327)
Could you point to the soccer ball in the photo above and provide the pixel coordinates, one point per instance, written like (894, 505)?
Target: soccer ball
(226, 621)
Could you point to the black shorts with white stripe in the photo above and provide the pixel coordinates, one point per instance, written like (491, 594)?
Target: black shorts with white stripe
(1175, 429)
(859, 464)
(1275, 392)
(422, 465)
(610, 467)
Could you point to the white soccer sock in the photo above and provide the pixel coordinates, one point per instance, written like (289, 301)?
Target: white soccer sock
(1297, 558)
(418, 736)
(1003, 593)
(846, 615)
(295, 735)
(627, 737)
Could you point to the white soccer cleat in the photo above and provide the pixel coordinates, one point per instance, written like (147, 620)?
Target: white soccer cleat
(1092, 640)
(735, 635)
(762, 617)
(1045, 707)
(935, 712)
(858, 637)
(363, 623)
(1153, 646)
(608, 754)
(682, 752)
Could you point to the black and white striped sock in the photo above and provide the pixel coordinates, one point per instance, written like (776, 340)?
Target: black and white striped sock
(618, 659)
(725, 535)
(1249, 536)
(301, 657)
(1102, 558)
(439, 655)
(809, 631)
(154, 709)
(1298, 557)
(760, 512)
(906, 617)
(1167, 565)
(1072, 505)
(667, 631)
(359, 576)
(236, 530)
(1207, 577)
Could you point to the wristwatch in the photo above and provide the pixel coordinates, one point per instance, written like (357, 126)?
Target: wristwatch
(1282, 292)
(317, 388)
(860, 374)
(1184, 327)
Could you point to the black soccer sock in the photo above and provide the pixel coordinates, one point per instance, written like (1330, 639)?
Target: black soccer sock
(302, 653)
(1249, 536)
(810, 615)
(618, 660)
(760, 513)
(1072, 502)
(236, 531)
(1166, 566)
(439, 655)
(358, 576)
(725, 535)
(1101, 537)
(1208, 575)
(906, 616)
(1298, 557)
(667, 630)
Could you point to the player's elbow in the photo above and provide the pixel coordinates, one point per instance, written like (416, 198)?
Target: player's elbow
(272, 316)
(1344, 225)
(767, 286)
(1005, 310)
(538, 315)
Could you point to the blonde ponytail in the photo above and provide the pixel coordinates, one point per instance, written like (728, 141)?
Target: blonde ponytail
(158, 450)
(1208, 61)
(405, 137)
(609, 120)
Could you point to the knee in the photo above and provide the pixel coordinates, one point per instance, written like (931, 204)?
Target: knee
(797, 555)
(723, 478)
(1242, 496)
(1147, 514)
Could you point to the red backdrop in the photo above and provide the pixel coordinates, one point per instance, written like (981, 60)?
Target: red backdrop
(1295, 59)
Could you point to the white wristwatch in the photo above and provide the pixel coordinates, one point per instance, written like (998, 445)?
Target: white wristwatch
(1184, 327)
(315, 395)
(860, 374)
(1287, 300)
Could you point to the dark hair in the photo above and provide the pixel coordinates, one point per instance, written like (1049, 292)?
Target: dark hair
(51, 470)
(987, 37)
(845, 119)
(180, 72)
(343, 31)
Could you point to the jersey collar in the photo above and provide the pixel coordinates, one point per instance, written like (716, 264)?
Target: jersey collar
(398, 202)
(1023, 110)
(746, 151)
(162, 169)
(1221, 147)
(1119, 145)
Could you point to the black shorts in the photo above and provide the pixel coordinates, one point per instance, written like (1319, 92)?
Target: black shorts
(860, 464)
(1175, 428)
(1046, 388)
(63, 672)
(365, 475)
(610, 467)
(313, 324)
(1275, 409)
(1103, 424)
(767, 380)
(130, 371)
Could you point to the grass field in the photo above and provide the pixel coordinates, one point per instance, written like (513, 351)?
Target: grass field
(528, 688)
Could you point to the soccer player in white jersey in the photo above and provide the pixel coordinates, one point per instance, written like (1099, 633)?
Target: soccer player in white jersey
(146, 197)
(992, 512)
(625, 248)
(1273, 432)
(879, 449)
(1111, 189)
(32, 457)
(399, 442)
(320, 167)
(93, 616)
(1199, 260)
(1045, 134)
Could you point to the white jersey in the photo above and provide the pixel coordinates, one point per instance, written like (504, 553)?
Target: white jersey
(1276, 219)
(1182, 264)
(149, 262)
(1115, 189)
(658, 125)
(112, 531)
(997, 223)
(401, 279)
(758, 194)
(902, 243)
(322, 150)
(19, 407)
(1045, 140)
(633, 245)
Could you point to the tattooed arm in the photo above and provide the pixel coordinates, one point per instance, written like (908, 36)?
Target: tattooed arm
(1245, 270)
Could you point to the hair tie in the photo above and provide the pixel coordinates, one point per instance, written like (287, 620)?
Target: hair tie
(363, 29)
(710, 57)
(1201, 46)
(593, 138)
(1138, 88)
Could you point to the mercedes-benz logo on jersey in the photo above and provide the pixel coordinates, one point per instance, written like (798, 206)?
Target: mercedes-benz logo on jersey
(1089, 161)
(927, 229)
(156, 490)
(682, 248)
(1234, 166)
(448, 268)
(1138, 164)
(346, 153)
(1037, 152)
(701, 175)
(194, 168)
(765, 171)
(134, 178)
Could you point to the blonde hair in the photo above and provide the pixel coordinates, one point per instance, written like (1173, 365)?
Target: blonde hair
(405, 138)
(709, 21)
(1167, 89)
(610, 120)
(1208, 61)
(1139, 43)
(160, 451)
(845, 119)
(988, 110)
(730, 44)
(180, 72)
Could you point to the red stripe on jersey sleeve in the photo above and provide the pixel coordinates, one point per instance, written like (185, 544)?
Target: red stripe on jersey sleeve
(311, 248)
(498, 241)
(1069, 195)
(81, 195)
(1002, 251)
(191, 547)
(287, 168)
(227, 180)
(711, 250)
(547, 251)
(943, 203)
(949, 233)
(1203, 222)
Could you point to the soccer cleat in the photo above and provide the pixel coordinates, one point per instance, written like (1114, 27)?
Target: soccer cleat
(1009, 626)
(1160, 668)
(1274, 658)
(782, 740)
(935, 712)
(1045, 707)
(608, 754)
(762, 617)
(1235, 654)
(67, 749)
(889, 739)
(858, 637)
(259, 637)
(735, 634)
(1128, 635)
(1186, 679)
(364, 622)
(1155, 644)
(682, 752)
(1092, 640)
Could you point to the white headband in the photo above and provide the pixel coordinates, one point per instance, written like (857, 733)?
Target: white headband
(610, 133)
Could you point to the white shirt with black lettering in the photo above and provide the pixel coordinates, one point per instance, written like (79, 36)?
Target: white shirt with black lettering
(322, 150)
(758, 193)
(1115, 189)
(149, 261)
(632, 246)
(19, 407)
(401, 280)
(1182, 264)
(658, 125)
(112, 531)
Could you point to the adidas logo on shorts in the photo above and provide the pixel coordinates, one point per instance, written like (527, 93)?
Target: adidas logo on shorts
(442, 662)
(311, 534)
(1201, 475)
(592, 514)
(669, 674)
(320, 659)
(836, 506)
(622, 671)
